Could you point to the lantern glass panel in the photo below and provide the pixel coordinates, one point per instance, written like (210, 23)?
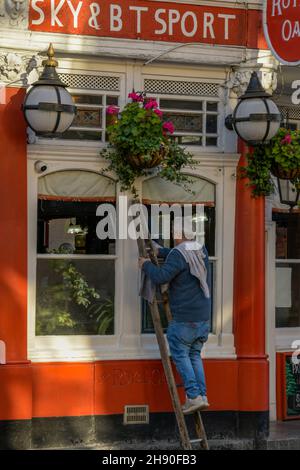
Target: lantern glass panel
(255, 130)
(288, 192)
(44, 121)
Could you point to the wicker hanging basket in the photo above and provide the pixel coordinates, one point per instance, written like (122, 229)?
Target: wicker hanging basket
(284, 174)
(141, 162)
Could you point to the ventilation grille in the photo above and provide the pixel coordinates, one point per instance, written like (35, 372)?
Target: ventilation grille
(136, 414)
(172, 87)
(91, 82)
(290, 112)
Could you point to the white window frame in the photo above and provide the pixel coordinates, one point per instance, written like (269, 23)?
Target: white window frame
(103, 107)
(128, 342)
(62, 346)
(203, 112)
(190, 75)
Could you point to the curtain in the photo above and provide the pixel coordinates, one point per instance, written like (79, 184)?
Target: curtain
(157, 191)
(76, 185)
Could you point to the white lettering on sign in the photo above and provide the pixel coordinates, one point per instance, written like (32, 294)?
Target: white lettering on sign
(173, 22)
(174, 17)
(279, 5)
(39, 10)
(290, 30)
(116, 22)
(54, 12)
(226, 23)
(95, 12)
(161, 21)
(75, 12)
(138, 11)
(186, 15)
(209, 19)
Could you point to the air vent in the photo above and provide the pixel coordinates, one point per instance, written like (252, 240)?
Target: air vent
(136, 414)
(181, 87)
(91, 82)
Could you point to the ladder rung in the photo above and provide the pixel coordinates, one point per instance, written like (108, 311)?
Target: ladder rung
(195, 441)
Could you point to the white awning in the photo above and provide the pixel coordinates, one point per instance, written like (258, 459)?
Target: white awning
(157, 190)
(76, 185)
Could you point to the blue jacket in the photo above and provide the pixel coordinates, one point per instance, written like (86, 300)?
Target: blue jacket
(187, 300)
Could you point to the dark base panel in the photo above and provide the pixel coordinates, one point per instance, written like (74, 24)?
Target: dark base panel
(87, 430)
(15, 434)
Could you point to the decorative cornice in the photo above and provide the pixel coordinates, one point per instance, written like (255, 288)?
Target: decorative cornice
(14, 13)
(18, 67)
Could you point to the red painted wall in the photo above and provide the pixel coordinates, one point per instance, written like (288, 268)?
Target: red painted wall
(13, 227)
(249, 294)
(104, 387)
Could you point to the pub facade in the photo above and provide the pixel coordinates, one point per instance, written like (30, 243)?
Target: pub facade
(76, 362)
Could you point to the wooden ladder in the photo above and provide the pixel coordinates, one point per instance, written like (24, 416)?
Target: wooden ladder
(146, 250)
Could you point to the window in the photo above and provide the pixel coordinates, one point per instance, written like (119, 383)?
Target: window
(195, 121)
(287, 269)
(192, 106)
(157, 191)
(91, 119)
(75, 273)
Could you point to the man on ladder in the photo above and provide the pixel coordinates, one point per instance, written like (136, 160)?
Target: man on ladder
(186, 270)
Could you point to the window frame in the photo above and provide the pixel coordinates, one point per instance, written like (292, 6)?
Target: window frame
(60, 347)
(163, 73)
(218, 167)
(102, 107)
(213, 260)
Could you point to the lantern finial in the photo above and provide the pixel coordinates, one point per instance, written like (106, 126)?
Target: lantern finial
(51, 61)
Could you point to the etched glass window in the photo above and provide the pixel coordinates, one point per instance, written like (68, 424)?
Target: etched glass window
(196, 119)
(91, 118)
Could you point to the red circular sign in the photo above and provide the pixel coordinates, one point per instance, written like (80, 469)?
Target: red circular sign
(282, 29)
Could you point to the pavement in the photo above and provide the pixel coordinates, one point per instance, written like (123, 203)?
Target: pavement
(283, 436)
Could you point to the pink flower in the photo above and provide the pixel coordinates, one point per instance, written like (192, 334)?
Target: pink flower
(136, 97)
(168, 127)
(287, 139)
(158, 112)
(112, 109)
(152, 104)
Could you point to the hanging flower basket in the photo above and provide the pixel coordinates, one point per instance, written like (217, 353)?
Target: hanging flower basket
(280, 158)
(148, 161)
(280, 172)
(140, 140)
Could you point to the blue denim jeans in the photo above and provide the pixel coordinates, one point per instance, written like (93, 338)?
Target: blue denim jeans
(186, 340)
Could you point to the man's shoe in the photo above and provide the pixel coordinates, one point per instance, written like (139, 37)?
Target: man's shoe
(193, 404)
(206, 404)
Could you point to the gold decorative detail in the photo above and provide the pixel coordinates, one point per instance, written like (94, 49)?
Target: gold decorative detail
(51, 61)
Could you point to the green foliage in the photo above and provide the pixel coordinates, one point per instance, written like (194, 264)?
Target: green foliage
(137, 132)
(54, 300)
(283, 150)
(140, 131)
(104, 313)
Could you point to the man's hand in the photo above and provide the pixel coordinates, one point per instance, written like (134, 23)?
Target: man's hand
(142, 261)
